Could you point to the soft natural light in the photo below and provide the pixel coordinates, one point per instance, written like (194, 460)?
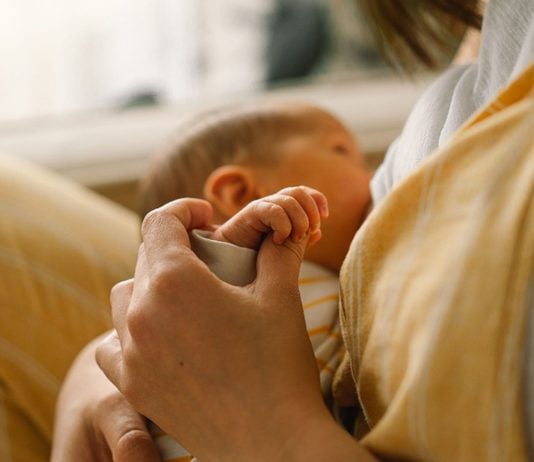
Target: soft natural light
(60, 57)
(64, 56)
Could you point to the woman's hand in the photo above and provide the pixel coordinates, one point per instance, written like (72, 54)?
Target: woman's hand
(94, 422)
(228, 371)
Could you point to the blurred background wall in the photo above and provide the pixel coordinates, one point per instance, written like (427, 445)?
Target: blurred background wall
(67, 56)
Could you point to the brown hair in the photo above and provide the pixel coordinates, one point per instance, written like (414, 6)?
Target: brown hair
(242, 135)
(414, 32)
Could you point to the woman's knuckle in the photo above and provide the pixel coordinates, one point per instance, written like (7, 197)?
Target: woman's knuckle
(117, 288)
(136, 321)
(162, 278)
(150, 219)
(129, 387)
(109, 402)
(120, 289)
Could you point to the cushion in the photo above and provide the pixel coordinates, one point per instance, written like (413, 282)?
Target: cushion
(62, 248)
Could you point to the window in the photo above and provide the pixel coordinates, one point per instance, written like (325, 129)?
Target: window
(72, 56)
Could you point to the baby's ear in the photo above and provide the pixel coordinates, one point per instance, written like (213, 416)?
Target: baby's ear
(229, 188)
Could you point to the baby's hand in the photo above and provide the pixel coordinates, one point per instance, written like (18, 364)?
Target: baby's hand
(292, 213)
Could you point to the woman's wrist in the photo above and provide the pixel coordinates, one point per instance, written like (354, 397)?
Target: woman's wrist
(299, 437)
(324, 439)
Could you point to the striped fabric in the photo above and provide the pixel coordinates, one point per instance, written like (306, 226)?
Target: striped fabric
(319, 288)
(319, 293)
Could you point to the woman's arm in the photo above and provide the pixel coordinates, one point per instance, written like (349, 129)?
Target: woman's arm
(94, 422)
(228, 371)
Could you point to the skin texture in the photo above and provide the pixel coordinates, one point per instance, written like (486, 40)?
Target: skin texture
(219, 406)
(112, 430)
(108, 430)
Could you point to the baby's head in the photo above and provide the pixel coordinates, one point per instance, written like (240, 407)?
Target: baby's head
(233, 155)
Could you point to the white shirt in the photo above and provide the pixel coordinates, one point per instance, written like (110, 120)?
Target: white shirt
(507, 46)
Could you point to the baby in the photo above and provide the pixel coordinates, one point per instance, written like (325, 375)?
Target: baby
(234, 155)
(246, 161)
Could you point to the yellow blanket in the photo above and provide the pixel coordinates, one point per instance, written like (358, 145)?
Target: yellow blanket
(61, 250)
(433, 299)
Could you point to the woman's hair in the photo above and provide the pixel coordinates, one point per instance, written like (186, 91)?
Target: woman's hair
(414, 32)
(243, 135)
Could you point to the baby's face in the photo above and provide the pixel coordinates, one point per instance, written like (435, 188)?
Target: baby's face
(329, 160)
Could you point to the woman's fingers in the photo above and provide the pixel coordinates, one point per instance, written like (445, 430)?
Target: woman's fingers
(94, 421)
(165, 229)
(125, 431)
(165, 242)
(109, 358)
(185, 336)
(120, 297)
(109, 353)
(156, 357)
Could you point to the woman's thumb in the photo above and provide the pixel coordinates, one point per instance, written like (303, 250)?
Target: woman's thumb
(127, 435)
(278, 265)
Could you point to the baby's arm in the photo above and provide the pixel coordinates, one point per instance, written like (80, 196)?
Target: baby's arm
(290, 213)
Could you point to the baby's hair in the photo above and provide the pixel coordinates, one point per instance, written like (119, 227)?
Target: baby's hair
(242, 135)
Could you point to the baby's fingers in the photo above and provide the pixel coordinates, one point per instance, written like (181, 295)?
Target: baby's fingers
(273, 216)
(313, 203)
(304, 208)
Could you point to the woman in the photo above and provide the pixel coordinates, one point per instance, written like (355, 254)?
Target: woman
(227, 408)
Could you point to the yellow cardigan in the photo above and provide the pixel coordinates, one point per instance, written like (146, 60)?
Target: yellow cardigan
(433, 299)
